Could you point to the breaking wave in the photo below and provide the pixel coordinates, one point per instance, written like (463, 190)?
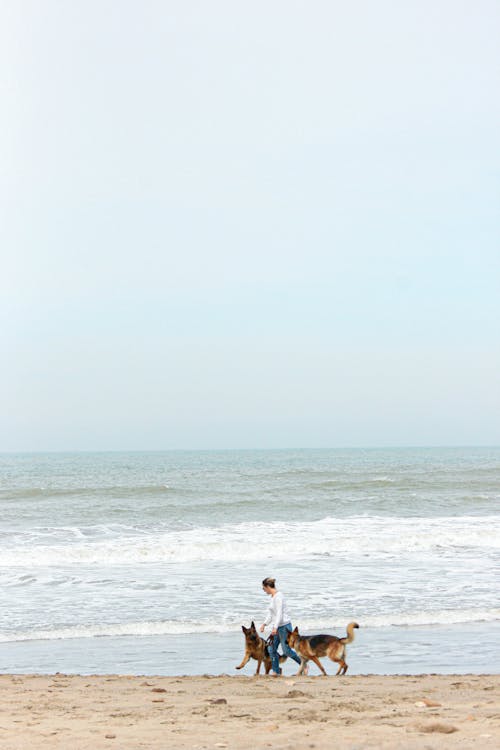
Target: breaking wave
(175, 627)
(252, 541)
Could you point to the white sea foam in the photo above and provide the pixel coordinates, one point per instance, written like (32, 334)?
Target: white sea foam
(174, 627)
(361, 535)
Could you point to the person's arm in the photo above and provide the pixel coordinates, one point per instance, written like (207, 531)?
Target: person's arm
(278, 612)
(268, 618)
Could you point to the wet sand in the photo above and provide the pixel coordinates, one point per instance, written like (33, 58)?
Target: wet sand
(353, 712)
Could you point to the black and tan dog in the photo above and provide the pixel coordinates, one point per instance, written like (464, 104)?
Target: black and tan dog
(314, 646)
(256, 648)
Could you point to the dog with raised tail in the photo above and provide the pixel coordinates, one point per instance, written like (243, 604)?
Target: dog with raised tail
(312, 647)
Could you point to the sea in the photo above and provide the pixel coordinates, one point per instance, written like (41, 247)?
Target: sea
(150, 562)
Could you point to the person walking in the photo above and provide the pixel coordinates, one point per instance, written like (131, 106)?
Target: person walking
(279, 620)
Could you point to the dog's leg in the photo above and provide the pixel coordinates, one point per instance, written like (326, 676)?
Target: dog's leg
(303, 664)
(246, 659)
(259, 662)
(317, 661)
(342, 668)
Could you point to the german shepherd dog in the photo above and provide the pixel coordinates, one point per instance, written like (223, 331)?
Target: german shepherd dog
(314, 646)
(256, 648)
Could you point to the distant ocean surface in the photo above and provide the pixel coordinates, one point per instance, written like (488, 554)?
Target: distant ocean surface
(150, 562)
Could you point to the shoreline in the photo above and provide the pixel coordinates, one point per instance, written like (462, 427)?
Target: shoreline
(392, 650)
(218, 711)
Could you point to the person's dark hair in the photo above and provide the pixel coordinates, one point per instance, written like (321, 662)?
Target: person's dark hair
(271, 582)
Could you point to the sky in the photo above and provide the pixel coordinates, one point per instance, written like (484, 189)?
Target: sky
(249, 225)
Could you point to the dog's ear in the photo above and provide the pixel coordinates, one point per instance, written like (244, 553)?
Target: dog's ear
(252, 626)
(296, 630)
(244, 628)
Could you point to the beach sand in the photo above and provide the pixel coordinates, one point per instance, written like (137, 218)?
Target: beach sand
(365, 711)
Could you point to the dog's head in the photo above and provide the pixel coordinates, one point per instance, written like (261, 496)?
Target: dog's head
(251, 629)
(292, 638)
(251, 632)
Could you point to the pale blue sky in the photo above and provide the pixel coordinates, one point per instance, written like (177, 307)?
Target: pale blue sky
(266, 224)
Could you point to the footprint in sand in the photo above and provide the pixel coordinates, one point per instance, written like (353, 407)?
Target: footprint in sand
(436, 726)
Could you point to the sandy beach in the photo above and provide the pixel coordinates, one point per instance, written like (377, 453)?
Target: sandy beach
(366, 711)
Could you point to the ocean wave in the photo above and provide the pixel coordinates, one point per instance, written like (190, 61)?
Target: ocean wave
(175, 627)
(106, 491)
(330, 537)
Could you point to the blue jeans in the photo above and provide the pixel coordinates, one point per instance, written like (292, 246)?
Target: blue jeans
(280, 637)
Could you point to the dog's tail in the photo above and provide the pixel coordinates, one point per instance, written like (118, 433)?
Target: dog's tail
(350, 633)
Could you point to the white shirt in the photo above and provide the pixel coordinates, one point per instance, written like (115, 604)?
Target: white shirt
(277, 614)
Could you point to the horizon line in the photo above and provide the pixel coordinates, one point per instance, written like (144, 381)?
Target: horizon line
(253, 449)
